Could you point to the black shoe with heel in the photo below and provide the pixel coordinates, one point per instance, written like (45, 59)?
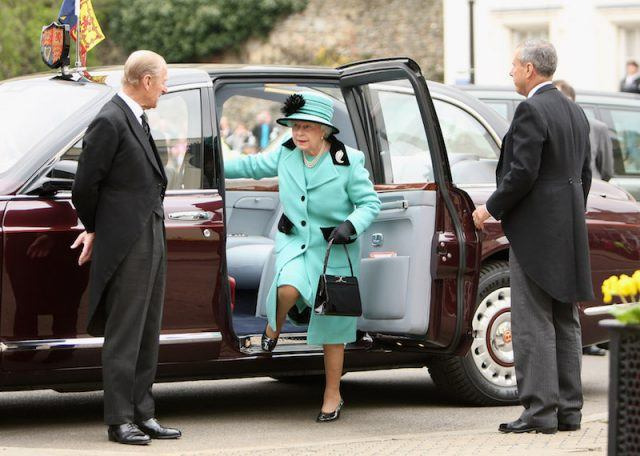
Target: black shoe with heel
(267, 343)
(332, 416)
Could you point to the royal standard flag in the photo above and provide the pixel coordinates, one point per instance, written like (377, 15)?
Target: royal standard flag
(90, 31)
(89, 28)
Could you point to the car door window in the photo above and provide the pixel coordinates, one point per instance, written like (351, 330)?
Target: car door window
(176, 126)
(589, 111)
(402, 142)
(471, 149)
(626, 141)
(500, 106)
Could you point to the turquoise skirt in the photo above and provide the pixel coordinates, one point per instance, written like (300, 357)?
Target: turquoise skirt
(323, 329)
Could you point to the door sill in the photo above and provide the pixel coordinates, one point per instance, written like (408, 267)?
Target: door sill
(289, 343)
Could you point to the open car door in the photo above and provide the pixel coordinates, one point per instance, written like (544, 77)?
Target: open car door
(421, 257)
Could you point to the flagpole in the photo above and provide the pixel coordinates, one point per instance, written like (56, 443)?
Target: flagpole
(78, 35)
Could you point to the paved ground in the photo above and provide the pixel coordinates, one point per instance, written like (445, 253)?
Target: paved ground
(386, 412)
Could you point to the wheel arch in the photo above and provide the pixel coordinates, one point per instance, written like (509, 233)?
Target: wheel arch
(501, 254)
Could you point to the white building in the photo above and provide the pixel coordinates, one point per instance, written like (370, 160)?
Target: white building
(594, 38)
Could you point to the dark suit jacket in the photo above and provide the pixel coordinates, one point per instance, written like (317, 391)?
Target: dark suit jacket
(634, 87)
(601, 150)
(543, 178)
(120, 182)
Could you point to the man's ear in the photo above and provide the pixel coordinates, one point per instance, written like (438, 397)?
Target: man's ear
(529, 69)
(146, 81)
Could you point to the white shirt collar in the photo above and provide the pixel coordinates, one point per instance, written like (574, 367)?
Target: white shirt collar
(538, 87)
(133, 105)
(629, 79)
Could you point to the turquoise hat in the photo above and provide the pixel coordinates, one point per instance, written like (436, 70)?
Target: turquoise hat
(309, 107)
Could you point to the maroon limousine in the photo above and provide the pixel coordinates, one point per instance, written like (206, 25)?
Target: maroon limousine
(435, 290)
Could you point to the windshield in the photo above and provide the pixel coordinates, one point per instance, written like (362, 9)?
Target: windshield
(32, 110)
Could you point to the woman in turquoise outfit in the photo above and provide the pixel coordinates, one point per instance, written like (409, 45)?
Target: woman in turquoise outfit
(326, 193)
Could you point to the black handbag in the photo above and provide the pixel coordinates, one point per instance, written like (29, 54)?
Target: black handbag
(338, 295)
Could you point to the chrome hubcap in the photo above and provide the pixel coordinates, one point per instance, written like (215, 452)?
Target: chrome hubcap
(492, 350)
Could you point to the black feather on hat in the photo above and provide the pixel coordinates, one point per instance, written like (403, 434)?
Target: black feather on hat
(293, 104)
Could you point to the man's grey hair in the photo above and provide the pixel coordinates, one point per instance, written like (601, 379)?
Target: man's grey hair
(142, 63)
(541, 54)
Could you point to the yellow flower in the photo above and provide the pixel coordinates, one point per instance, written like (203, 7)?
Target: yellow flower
(636, 277)
(610, 286)
(627, 286)
(606, 297)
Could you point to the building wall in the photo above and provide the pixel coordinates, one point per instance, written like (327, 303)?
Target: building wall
(594, 38)
(333, 32)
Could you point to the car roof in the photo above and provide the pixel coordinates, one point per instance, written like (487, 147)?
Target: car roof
(582, 96)
(449, 93)
(203, 74)
(185, 74)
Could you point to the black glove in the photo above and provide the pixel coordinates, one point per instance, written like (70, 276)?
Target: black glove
(342, 233)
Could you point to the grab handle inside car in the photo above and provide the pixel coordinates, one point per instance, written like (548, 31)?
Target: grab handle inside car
(399, 204)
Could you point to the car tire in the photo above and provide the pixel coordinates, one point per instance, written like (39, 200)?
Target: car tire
(485, 376)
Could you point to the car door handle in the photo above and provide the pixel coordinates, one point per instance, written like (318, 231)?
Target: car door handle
(400, 204)
(191, 216)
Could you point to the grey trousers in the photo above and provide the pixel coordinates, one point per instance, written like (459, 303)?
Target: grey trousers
(133, 304)
(547, 349)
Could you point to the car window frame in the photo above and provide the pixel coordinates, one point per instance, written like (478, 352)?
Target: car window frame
(177, 90)
(48, 165)
(473, 114)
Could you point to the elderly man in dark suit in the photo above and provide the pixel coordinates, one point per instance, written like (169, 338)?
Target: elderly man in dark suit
(118, 193)
(543, 179)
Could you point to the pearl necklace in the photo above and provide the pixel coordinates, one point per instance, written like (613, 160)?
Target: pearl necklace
(312, 163)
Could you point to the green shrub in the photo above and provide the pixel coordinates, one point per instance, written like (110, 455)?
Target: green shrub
(193, 30)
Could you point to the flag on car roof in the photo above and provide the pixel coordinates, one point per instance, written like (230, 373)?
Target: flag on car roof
(90, 31)
(67, 14)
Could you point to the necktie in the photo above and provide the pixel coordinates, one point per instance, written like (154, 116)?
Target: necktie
(147, 130)
(145, 124)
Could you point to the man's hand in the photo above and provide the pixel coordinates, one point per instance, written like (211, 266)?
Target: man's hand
(480, 215)
(86, 239)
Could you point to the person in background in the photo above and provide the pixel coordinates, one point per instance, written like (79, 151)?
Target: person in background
(225, 128)
(263, 131)
(240, 137)
(631, 82)
(601, 146)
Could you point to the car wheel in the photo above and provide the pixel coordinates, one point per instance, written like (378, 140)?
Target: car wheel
(485, 376)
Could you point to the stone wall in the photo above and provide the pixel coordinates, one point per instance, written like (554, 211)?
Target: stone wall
(333, 32)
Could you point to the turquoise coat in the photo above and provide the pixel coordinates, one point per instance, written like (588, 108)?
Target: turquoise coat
(337, 189)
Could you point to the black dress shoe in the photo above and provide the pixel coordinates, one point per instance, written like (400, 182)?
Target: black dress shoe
(127, 433)
(568, 427)
(156, 431)
(519, 427)
(594, 351)
(332, 416)
(267, 343)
